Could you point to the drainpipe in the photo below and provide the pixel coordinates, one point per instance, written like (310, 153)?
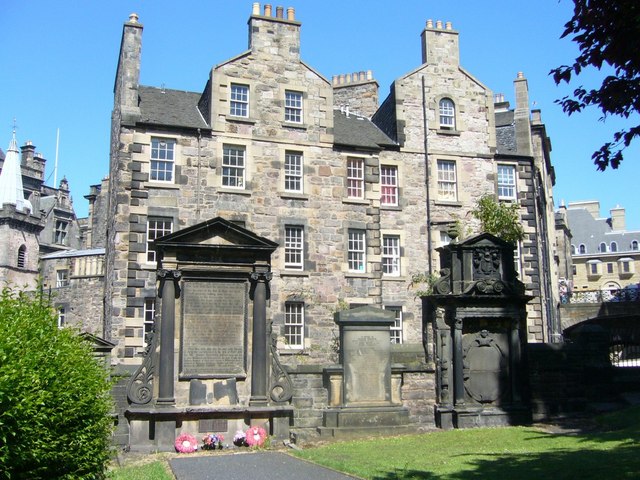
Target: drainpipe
(198, 181)
(425, 128)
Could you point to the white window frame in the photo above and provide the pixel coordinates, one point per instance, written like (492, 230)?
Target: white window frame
(293, 171)
(507, 182)
(149, 314)
(239, 100)
(396, 330)
(391, 255)
(62, 278)
(162, 160)
(293, 247)
(357, 251)
(389, 185)
(447, 181)
(355, 177)
(447, 114)
(294, 325)
(634, 245)
(582, 249)
(234, 166)
(293, 102)
(156, 227)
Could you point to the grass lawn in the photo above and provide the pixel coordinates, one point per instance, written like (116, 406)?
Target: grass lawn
(523, 453)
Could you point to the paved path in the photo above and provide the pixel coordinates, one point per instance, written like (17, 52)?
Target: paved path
(243, 466)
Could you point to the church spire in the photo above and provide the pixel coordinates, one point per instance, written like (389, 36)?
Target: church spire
(11, 190)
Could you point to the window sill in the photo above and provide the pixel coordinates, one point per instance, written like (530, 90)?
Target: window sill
(234, 119)
(390, 278)
(237, 191)
(161, 185)
(356, 275)
(293, 273)
(296, 126)
(391, 208)
(356, 201)
(294, 196)
(444, 131)
(448, 203)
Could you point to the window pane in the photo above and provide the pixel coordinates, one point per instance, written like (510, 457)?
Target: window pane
(239, 104)
(447, 180)
(162, 160)
(447, 113)
(506, 182)
(388, 185)
(156, 228)
(356, 251)
(293, 107)
(294, 324)
(396, 328)
(293, 247)
(293, 172)
(391, 255)
(233, 166)
(355, 178)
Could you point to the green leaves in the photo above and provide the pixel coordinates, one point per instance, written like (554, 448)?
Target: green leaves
(501, 219)
(606, 32)
(54, 396)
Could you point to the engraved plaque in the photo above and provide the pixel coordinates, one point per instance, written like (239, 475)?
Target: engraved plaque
(213, 328)
(367, 366)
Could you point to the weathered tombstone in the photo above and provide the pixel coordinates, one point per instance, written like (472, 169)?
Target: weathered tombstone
(478, 313)
(361, 393)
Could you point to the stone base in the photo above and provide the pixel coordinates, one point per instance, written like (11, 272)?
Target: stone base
(361, 421)
(478, 416)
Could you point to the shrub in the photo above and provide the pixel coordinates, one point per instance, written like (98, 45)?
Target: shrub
(54, 396)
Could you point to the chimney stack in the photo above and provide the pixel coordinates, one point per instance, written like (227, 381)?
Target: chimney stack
(440, 45)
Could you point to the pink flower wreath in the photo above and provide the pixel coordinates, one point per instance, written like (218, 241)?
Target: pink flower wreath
(255, 436)
(186, 443)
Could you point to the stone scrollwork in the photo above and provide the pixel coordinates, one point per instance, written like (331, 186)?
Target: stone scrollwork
(281, 384)
(140, 385)
(443, 285)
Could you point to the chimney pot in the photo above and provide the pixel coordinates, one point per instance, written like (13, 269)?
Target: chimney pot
(448, 26)
(133, 18)
(439, 24)
(279, 12)
(291, 13)
(429, 23)
(256, 8)
(341, 78)
(334, 80)
(369, 75)
(520, 75)
(267, 10)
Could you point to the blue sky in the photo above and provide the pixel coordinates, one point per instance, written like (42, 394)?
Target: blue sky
(59, 60)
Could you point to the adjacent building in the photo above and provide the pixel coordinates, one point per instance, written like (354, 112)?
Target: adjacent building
(605, 255)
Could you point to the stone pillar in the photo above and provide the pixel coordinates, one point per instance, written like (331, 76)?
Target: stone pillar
(515, 362)
(168, 291)
(259, 360)
(458, 366)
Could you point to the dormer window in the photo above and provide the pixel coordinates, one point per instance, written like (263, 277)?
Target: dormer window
(614, 247)
(447, 114)
(582, 249)
(602, 248)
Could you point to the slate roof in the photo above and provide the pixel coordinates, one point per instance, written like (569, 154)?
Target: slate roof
(175, 108)
(593, 231)
(357, 131)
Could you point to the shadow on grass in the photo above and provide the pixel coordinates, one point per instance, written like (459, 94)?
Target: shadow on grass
(596, 460)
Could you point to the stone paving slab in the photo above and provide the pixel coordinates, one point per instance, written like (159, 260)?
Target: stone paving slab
(241, 466)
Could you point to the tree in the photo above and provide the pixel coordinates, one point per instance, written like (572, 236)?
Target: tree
(606, 32)
(54, 396)
(499, 218)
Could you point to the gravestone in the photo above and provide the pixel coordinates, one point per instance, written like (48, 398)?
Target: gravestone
(362, 385)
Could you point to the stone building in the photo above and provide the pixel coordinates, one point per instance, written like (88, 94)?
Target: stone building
(605, 255)
(350, 198)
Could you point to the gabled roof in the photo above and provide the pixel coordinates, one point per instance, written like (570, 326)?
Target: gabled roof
(359, 132)
(215, 233)
(174, 108)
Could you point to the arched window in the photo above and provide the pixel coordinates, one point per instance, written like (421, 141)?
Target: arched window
(634, 245)
(603, 247)
(582, 248)
(22, 256)
(573, 249)
(447, 114)
(614, 247)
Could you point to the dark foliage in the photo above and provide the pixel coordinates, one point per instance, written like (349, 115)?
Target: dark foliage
(606, 32)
